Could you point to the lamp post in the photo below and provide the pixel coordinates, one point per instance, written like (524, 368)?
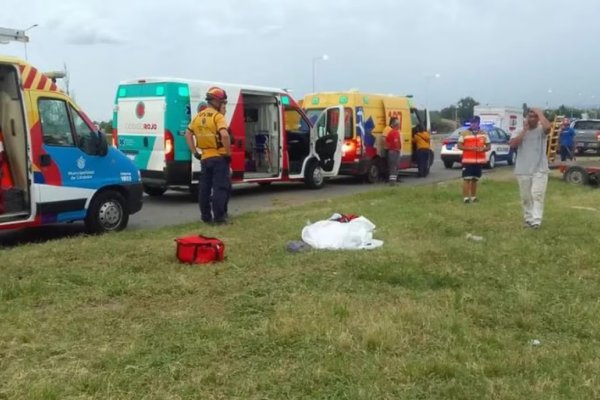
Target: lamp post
(324, 57)
(25, 43)
(428, 80)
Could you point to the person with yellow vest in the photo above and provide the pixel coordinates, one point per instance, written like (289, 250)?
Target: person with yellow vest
(474, 143)
(422, 141)
(208, 133)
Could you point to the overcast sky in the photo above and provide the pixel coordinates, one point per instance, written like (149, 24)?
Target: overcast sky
(501, 52)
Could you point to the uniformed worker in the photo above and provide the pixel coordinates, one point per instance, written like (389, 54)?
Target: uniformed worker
(208, 133)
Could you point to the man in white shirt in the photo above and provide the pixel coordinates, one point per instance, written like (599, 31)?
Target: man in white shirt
(531, 167)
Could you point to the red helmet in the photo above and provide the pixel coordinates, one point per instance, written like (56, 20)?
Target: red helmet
(216, 94)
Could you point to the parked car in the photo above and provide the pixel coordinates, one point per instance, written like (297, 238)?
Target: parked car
(500, 150)
(587, 135)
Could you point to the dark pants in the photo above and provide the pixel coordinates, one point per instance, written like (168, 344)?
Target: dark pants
(566, 152)
(215, 185)
(393, 156)
(423, 162)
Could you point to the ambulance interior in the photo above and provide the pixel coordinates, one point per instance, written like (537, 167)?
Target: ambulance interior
(261, 120)
(14, 189)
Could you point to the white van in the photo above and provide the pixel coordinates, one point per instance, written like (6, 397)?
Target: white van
(272, 140)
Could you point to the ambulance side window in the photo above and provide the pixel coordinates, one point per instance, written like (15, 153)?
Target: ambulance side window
(56, 126)
(87, 139)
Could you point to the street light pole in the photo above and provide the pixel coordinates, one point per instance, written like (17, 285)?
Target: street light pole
(324, 57)
(25, 43)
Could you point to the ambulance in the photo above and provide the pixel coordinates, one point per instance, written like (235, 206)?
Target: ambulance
(55, 165)
(366, 115)
(509, 119)
(272, 140)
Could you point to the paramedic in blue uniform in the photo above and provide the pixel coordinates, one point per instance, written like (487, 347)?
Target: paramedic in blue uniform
(208, 133)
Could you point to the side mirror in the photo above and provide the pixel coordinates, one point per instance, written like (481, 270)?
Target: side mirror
(102, 144)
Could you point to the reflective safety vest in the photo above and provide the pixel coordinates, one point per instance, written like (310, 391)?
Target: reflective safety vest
(474, 139)
(5, 176)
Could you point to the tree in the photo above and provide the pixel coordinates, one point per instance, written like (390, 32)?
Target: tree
(465, 108)
(449, 112)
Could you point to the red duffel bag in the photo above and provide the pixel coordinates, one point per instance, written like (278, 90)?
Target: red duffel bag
(199, 249)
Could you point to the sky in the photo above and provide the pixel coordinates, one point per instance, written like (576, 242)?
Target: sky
(501, 52)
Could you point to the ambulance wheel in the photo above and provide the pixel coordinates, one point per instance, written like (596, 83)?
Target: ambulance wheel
(194, 192)
(107, 213)
(373, 172)
(313, 177)
(154, 191)
(492, 162)
(577, 176)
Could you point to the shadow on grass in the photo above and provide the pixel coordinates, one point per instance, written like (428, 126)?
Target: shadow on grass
(418, 281)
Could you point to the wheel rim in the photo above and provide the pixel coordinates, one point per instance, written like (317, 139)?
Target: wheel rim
(318, 176)
(575, 177)
(110, 215)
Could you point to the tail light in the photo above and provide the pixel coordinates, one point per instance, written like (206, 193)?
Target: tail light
(115, 138)
(359, 149)
(169, 147)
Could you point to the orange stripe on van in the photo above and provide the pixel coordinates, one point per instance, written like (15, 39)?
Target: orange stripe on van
(28, 77)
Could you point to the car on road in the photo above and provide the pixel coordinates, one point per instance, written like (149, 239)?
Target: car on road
(499, 152)
(587, 135)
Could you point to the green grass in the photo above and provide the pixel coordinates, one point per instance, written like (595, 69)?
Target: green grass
(431, 315)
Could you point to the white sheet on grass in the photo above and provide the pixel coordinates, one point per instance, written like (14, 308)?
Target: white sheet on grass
(332, 235)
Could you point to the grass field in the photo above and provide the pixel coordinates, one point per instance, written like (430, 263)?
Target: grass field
(431, 315)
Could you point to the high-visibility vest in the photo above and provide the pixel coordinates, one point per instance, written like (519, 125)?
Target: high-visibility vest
(474, 139)
(6, 178)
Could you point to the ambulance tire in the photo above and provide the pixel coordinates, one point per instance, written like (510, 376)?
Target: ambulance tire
(314, 175)
(107, 213)
(194, 192)
(374, 171)
(154, 191)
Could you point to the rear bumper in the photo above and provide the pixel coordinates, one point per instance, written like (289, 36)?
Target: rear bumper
(175, 173)
(135, 196)
(355, 168)
(452, 157)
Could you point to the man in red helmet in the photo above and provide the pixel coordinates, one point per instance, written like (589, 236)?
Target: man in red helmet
(208, 133)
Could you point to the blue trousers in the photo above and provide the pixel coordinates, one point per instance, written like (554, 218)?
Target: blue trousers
(215, 185)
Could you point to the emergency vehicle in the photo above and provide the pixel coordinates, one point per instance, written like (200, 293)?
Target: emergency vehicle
(509, 119)
(366, 115)
(56, 167)
(272, 139)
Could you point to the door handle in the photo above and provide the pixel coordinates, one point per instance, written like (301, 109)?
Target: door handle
(145, 141)
(45, 160)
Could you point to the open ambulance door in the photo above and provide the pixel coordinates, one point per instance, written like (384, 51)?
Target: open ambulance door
(328, 139)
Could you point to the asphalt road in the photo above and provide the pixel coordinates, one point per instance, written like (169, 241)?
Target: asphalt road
(177, 207)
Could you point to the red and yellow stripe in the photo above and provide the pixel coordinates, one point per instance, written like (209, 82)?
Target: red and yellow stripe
(35, 80)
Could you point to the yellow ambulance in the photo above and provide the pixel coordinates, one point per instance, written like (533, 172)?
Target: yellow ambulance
(366, 115)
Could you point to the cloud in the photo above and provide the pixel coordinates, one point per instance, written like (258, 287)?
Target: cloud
(89, 36)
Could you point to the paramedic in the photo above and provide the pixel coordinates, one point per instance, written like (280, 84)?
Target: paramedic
(422, 142)
(474, 144)
(209, 129)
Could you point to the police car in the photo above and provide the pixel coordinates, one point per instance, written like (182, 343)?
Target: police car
(500, 150)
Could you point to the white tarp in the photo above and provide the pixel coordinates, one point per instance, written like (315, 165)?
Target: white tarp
(333, 235)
